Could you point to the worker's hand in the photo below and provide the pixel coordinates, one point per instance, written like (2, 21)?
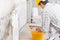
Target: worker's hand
(38, 29)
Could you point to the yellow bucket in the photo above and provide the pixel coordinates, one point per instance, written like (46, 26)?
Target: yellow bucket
(37, 35)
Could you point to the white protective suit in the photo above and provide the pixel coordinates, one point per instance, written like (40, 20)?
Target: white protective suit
(51, 19)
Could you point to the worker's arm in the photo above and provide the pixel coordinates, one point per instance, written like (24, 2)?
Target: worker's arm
(45, 22)
(55, 21)
(45, 25)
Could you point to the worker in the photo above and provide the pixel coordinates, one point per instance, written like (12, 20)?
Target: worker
(50, 17)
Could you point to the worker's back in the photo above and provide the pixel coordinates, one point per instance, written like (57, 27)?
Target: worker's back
(53, 9)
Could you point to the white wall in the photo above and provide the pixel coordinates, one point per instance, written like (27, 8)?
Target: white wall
(5, 7)
(21, 10)
(19, 17)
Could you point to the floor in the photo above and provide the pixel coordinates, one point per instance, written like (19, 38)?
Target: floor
(25, 39)
(25, 33)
